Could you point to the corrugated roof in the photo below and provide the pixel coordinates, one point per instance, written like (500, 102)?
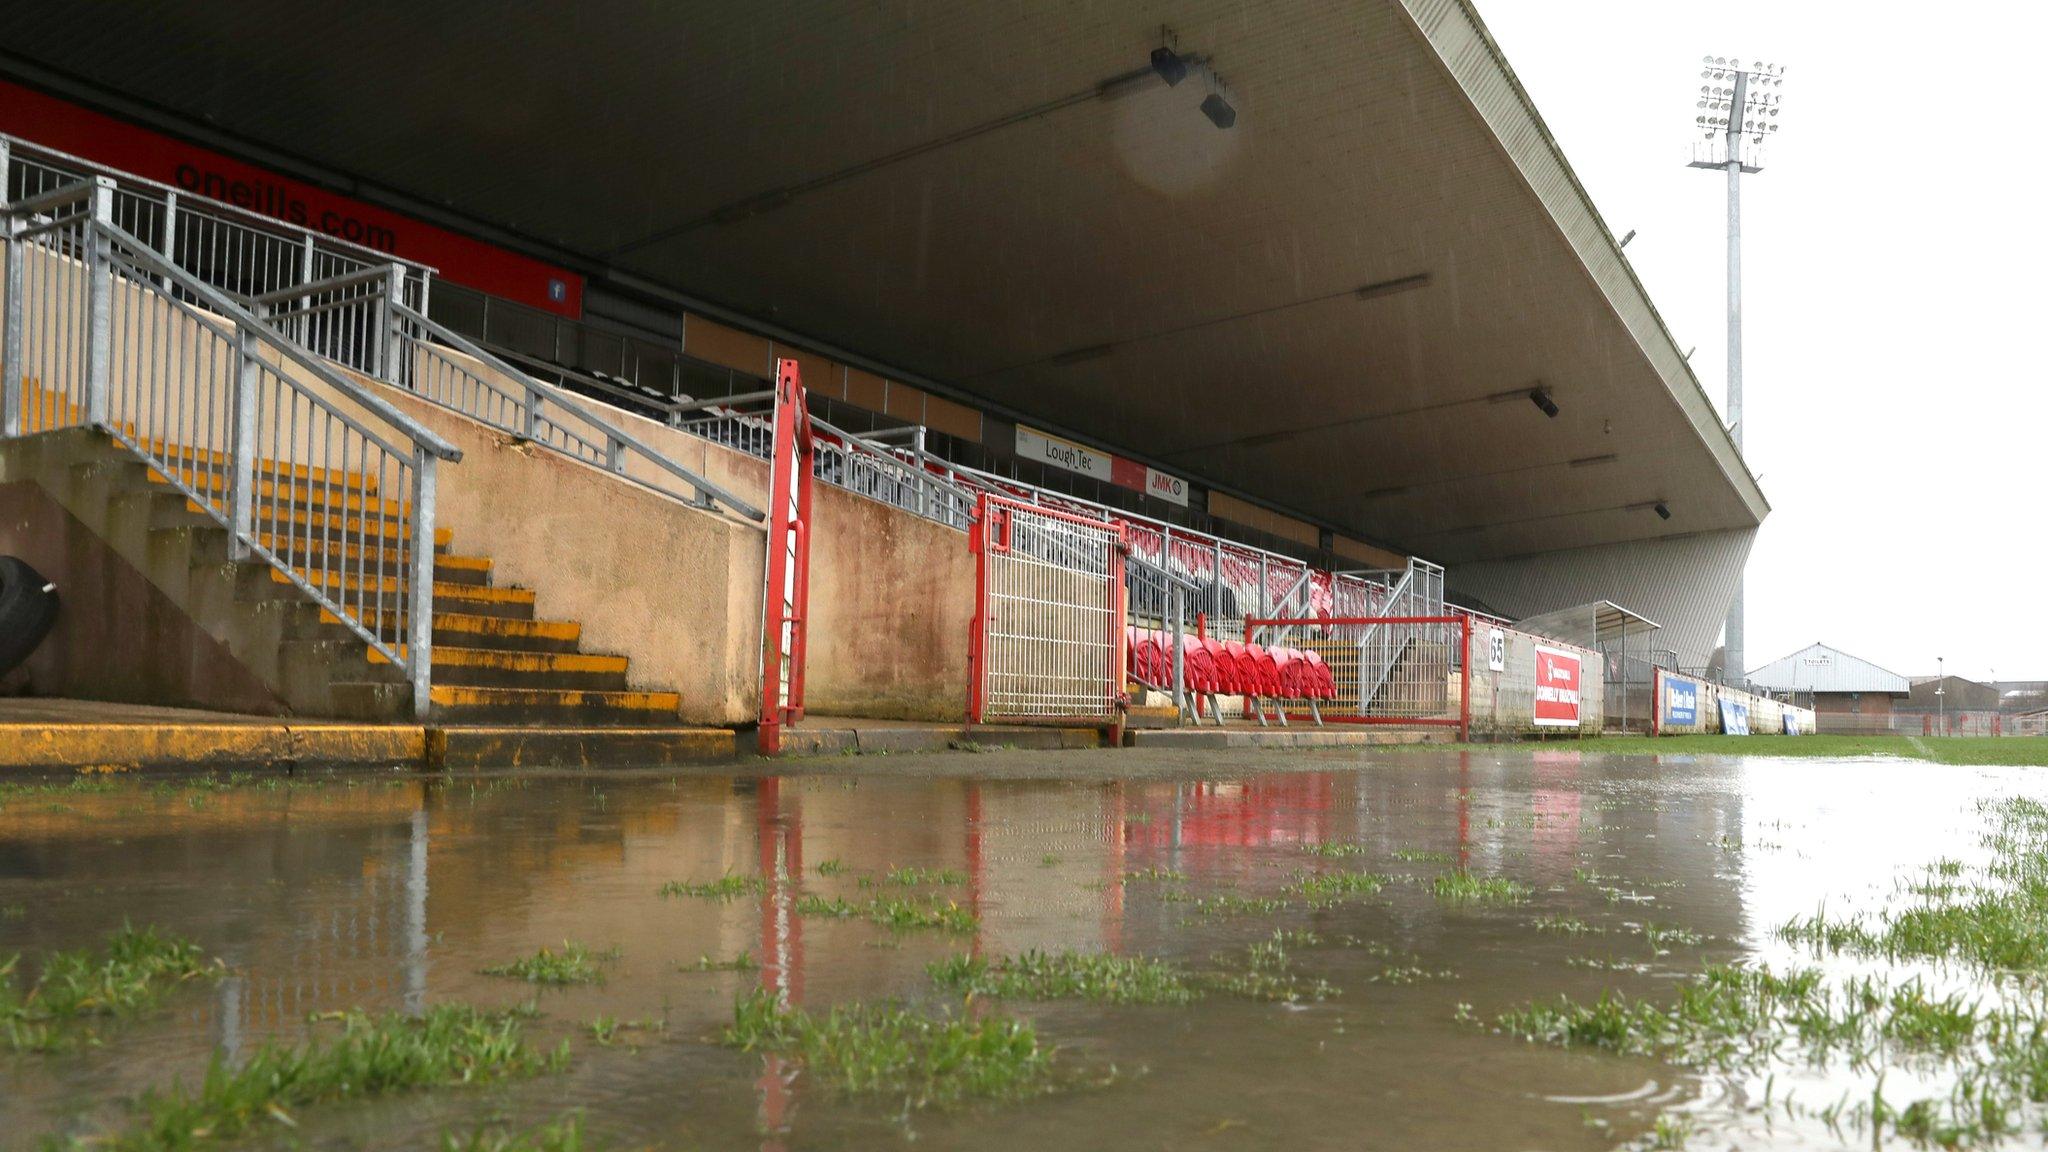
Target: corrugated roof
(1819, 668)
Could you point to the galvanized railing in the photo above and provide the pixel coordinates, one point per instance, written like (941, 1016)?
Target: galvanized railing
(359, 319)
(330, 486)
(848, 461)
(1158, 601)
(1417, 592)
(240, 251)
(452, 370)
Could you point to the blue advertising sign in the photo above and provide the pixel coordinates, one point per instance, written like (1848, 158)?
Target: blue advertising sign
(1681, 701)
(1734, 717)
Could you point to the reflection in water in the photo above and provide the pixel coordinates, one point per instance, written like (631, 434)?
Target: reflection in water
(359, 892)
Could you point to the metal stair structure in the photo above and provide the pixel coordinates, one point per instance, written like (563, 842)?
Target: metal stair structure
(1418, 591)
(197, 398)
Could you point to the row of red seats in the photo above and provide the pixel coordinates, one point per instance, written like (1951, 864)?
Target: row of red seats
(1231, 667)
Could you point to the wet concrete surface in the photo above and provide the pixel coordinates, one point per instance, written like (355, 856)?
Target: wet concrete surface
(393, 891)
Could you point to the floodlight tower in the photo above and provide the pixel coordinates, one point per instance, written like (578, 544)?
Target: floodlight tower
(1738, 108)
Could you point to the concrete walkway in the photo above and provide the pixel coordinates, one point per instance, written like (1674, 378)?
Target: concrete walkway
(851, 736)
(41, 735)
(47, 735)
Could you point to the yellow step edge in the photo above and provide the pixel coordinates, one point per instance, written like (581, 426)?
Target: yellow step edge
(565, 630)
(513, 661)
(475, 593)
(300, 545)
(267, 513)
(175, 451)
(309, 492)
(456, 696)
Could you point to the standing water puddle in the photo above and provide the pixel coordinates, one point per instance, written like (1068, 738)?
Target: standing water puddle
(1346, 935)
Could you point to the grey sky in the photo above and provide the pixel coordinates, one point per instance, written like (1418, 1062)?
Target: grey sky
(1893, 252)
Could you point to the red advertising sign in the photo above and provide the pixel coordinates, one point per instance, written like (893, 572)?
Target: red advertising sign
(1557, 688)
(66, 127)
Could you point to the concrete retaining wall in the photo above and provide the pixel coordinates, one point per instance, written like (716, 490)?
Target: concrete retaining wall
(118, 636)
(1504, 701)
(892, 594)
(1688, 706)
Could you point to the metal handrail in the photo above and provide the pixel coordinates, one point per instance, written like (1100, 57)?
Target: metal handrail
(669, 408)
(183, 376)
(1407, 598)
(845, 460)
(542, 398)
(371, 275)
(221, 211)
(318, 367)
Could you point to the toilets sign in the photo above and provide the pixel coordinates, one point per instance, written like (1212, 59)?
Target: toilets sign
(1071, 457)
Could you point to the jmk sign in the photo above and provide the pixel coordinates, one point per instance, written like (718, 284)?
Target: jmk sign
(1557, 688)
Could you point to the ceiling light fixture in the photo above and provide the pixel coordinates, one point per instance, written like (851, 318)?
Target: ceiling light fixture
(1169, 65)
(1540, 397)
(1218, 110)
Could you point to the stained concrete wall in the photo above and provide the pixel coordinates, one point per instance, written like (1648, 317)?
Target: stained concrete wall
(892, 594)
(1504, 702)
(117, 636)
(675, 589)
(891, 597)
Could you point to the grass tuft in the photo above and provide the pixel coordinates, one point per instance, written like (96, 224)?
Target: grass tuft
(1097, 976)
(574, 964)
(450, 1045)
(1462, 887)
(725, 889)
(133, 973)
(1331, 885)
(897, 914)
(888, 1051)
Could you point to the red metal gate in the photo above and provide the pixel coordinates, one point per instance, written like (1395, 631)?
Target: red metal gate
(786, 602)
(1048, 636)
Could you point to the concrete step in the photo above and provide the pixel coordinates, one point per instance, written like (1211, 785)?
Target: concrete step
(456, 630)
(373, 528)
(1335, 736)
(545, 707)
(467, 598)
(449, 568)
(485, 746)
(503, 668)
(288, 491)
(1152, 716)
(208, 459)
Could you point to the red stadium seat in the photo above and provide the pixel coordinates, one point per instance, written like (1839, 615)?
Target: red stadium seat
(1265, 671)
(1292, 666)
(1233, 665)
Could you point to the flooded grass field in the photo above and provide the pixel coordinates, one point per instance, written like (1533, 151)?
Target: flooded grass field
(1523, 947)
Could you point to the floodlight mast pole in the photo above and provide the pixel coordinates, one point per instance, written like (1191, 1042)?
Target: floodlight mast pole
(1732, 658)
(1740, 119)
